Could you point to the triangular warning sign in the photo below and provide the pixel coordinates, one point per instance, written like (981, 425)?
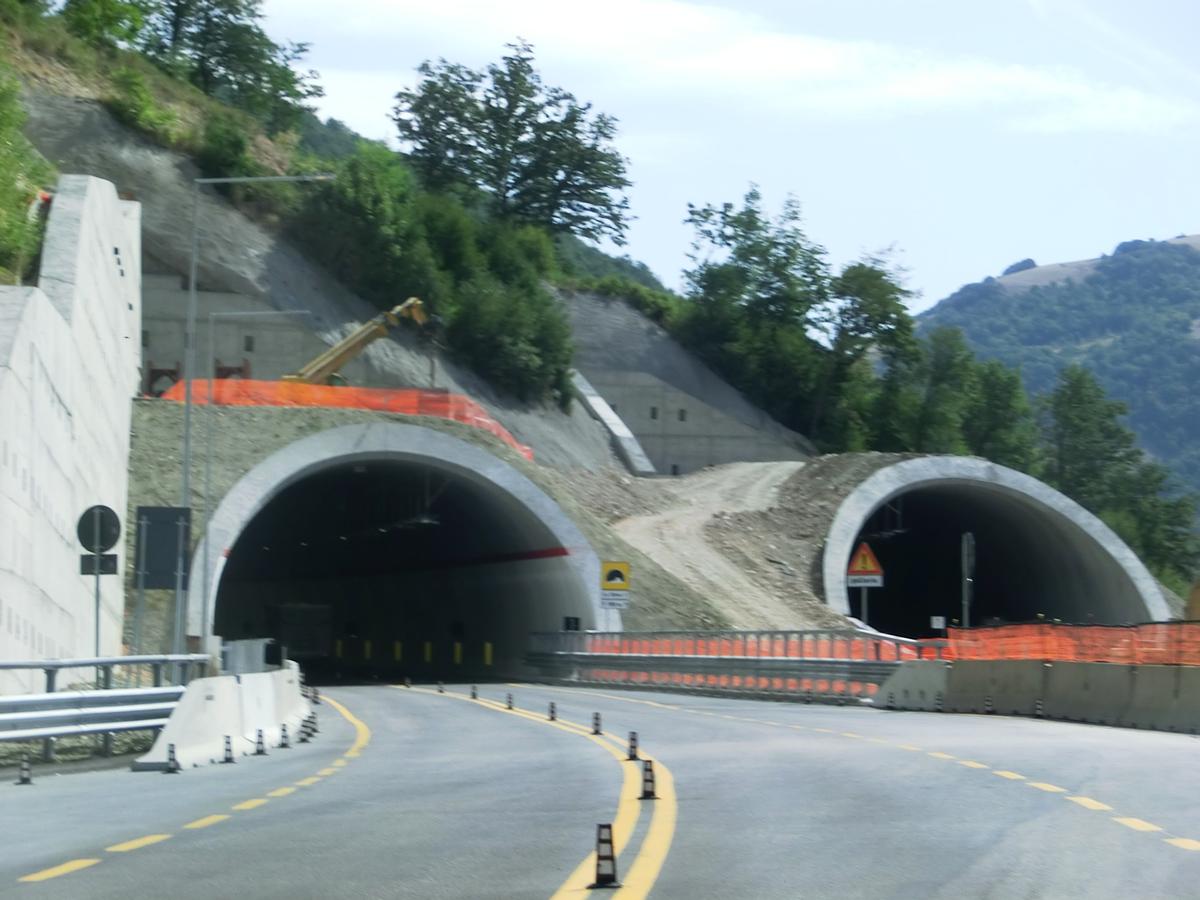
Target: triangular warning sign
(864, 562)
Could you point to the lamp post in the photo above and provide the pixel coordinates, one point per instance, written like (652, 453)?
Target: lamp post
(209, 422)
(189, 370)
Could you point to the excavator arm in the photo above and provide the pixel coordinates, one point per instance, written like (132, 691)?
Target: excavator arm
(324, 369)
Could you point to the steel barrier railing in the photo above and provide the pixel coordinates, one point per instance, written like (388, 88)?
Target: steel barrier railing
(804, 664)
(105, 711)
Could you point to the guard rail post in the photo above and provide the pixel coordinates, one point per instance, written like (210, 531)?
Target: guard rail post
(157, 668)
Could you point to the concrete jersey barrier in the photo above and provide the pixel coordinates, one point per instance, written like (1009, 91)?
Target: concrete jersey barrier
(234, 705)
(1164, 698)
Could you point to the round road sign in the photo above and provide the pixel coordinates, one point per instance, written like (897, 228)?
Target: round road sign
(98, 529)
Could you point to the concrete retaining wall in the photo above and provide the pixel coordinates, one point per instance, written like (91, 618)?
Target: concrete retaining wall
(69, 358)
(1164, 698)
(237, 706)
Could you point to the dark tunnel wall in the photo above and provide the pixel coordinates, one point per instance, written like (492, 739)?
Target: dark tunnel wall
(1036, 554)
(376, 567)
(387, 549)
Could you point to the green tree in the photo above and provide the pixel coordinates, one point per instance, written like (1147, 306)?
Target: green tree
(534, 153)
(220, 46)
(104, 22)
(947, 389)
(1088, 451)
(998, 423)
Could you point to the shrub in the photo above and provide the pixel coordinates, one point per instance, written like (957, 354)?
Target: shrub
(132, 103)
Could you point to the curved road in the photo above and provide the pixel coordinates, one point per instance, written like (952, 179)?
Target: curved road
(415, 794)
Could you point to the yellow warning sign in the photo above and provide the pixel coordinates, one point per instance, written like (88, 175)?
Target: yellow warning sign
(614, 576)
(864, 562)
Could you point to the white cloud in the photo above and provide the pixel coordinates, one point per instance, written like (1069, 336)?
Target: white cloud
(669, 51)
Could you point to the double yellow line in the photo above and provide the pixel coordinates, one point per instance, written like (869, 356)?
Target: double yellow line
(656, 844)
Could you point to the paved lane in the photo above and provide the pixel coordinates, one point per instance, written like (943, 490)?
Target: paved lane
(458, 799)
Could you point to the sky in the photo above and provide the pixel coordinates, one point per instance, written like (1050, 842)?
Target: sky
(960, 135)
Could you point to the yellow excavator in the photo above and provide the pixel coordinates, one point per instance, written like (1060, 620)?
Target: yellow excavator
(325, 368)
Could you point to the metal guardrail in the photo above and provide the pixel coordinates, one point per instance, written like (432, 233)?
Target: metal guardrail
(106, 711)
(800, 664)
(183, 665)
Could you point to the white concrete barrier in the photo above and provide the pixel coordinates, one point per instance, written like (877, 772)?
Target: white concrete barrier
(917, 684)
(209, 710)
(234, 705)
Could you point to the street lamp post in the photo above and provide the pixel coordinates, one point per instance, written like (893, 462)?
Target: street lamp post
(189, 370)
(209, 421)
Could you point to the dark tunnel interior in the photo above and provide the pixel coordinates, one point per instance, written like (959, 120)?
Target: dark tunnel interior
(386, 569)
(1030, 560)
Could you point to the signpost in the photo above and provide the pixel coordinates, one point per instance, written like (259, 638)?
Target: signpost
(614, 585)
(968, 576)
(98, 531)
(864, 573)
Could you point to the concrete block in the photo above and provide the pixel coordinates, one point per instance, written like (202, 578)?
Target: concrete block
(1089, 692)
(916, 684)
(258, 707)
(1160, 701)
(209, 709)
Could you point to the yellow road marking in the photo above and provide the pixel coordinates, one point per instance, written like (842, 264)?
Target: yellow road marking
(1135, 824)
(908, 746)
(938, 754)
(251, 804)
(281, 792)
(1184, 843)
(137, 843)
(1011, 776)
(65, 869)
(825, 730)
(362, 732)
(1048, 788)
(657, 843)
(1089, 803)
(338, 763)
(971, 764)
(850, 734)
(328, 770)
(576, 692)
(308, 782)
(206, 821)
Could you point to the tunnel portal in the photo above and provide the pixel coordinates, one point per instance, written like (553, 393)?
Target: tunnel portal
(1038, 555)
(385, 564)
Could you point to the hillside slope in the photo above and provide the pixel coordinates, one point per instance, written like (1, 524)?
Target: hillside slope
(1133, 318)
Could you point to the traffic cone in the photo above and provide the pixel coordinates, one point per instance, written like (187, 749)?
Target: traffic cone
(595, 723)
(284, 743)
(260, 746)
(510, 703)
(25, 776)
(553, 711)
(407, 681)
(633, 745)
(648, 781)
(305, 734)
(316, 696)
(606, 859)
(228, 750)
(987, 705)
(474, 693)
(441, 688)
(173, 767)
(314, 727)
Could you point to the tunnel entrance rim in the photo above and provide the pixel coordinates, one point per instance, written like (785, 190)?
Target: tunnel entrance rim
(909, 475)
(375, 442)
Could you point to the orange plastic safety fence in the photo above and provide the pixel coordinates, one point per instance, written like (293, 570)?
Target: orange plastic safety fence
(406, 401)
(1155, 643)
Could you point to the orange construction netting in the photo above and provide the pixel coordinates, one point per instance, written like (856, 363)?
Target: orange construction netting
(405, 401)
(1156, 643)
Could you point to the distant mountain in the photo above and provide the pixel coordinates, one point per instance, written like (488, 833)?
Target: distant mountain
(1133, 318)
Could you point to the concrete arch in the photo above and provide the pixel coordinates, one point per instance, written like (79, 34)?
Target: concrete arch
(509, 492)
(1069, 553)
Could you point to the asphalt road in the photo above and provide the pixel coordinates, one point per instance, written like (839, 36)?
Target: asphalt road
(433, 796)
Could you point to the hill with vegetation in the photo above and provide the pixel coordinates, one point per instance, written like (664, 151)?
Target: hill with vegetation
(1132, 318)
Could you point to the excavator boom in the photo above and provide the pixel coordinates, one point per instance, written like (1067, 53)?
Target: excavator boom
(325, 367)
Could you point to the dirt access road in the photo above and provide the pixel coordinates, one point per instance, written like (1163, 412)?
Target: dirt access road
(675, 539)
